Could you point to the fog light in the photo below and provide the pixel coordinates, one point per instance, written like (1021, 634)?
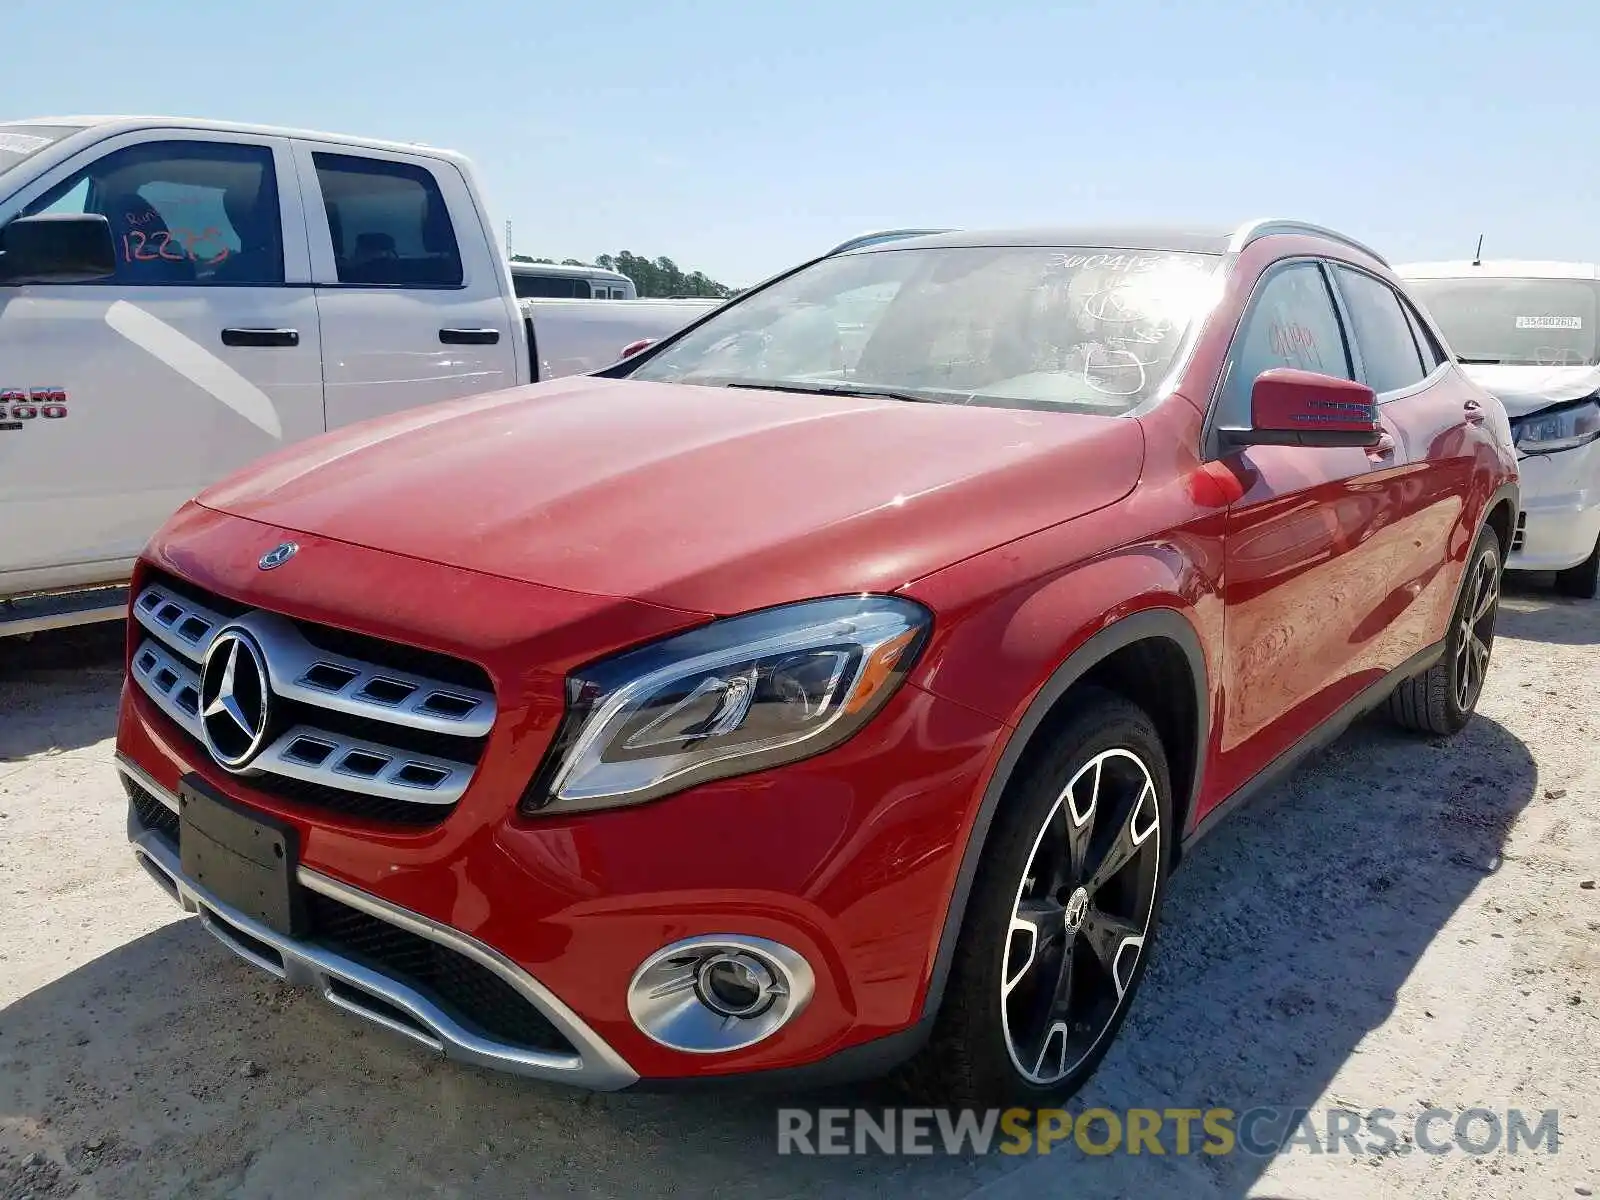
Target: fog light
(709, 995)
(735, 985)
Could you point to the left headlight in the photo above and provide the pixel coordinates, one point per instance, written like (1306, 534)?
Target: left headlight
(738, 695)
(1563, 429)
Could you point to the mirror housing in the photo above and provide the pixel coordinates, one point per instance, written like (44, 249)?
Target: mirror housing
(633, 348)
(1302, 408)
(57, 248)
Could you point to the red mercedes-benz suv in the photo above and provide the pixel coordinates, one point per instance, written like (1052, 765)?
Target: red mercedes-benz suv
(831, 687)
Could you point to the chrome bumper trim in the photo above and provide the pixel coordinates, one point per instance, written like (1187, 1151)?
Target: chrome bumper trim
(347, 984)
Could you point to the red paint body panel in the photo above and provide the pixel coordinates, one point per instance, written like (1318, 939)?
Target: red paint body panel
(538, 530)
(708, 499)
(848, 857)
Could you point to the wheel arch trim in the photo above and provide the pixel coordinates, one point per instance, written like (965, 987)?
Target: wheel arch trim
(1151, 624)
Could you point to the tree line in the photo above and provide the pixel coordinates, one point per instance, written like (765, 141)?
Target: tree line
(652, 277)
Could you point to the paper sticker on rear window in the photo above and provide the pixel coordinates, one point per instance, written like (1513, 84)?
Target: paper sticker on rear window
(22, 143)
(1549, 322)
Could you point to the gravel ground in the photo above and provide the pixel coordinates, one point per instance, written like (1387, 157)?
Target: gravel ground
(1404, 923)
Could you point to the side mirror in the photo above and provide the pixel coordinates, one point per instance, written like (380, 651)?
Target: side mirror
(1302, 408)
(57, 248)
(633, 348)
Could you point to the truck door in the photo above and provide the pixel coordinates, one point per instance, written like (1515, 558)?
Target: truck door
(127, 396)
(415, 305)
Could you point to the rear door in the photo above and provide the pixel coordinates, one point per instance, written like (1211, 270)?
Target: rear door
(1425, 467)
(127, 396)
(1303, 573)
(415, 307)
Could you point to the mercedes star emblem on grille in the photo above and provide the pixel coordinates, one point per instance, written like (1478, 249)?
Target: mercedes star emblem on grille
(278, 555)
(235, 699)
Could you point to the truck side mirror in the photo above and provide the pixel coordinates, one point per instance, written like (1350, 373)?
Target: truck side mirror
(1302, 408)
(57, 248)
(641, 345)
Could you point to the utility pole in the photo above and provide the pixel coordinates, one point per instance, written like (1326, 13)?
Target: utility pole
(508, 239)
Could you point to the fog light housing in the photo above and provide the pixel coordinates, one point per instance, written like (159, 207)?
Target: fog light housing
(721, 992)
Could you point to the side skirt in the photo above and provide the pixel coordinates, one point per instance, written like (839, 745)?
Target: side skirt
(1319, 738)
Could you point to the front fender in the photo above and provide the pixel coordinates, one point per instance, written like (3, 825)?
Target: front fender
(1014, 657)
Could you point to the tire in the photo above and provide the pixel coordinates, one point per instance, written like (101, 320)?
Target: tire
(1098, 788)
(1441, 699)
(1583, 580)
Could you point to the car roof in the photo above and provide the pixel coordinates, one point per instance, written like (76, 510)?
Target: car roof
(106, 125)
(1500, 268)
(1195, 239)
(565, 271)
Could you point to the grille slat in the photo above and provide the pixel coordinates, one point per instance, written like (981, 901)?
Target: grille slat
(396, 745)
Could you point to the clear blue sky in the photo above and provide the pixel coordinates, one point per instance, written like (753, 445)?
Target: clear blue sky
(740, 137)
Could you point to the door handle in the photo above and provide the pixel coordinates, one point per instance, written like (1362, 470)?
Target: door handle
(1382, 448)
(260, 337)
(469, 337)
(1473, 411)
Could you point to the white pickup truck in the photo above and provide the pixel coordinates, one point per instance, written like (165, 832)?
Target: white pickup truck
(180, 297)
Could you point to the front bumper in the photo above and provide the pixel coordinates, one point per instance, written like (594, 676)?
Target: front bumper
(384, 997)
(1560, 519)
(848, 858)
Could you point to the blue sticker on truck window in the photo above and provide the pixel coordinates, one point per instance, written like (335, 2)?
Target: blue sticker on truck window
(21, 407)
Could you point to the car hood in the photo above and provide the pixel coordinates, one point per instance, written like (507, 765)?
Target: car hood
(1527, 389)
(710, 500)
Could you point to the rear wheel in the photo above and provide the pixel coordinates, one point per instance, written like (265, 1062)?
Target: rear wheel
(1062, 917)
(1583, 580)
(1441, 699)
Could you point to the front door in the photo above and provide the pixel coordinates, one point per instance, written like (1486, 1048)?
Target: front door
(1302, 577)
(415, 307)
(126, 397)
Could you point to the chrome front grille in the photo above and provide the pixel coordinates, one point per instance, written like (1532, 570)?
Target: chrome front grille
(1521, 534)
(367, 732)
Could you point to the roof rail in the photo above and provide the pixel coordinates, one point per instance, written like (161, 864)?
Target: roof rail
(1251, 231)
(882, 235)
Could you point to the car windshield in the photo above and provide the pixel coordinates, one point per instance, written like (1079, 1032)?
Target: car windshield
(18, 142)
(1084, 329)
(1520, 322)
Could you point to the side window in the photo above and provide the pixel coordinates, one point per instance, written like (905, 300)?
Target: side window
(1291, 323)
(1388, 350)
(1432, 355)
(548, 287)
(182, 212)
(389, 223)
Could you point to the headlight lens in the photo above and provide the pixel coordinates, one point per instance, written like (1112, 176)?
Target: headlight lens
(1559, 430)
(734, 696)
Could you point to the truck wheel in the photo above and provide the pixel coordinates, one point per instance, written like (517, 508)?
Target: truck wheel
(1440, 700)
(1583, 580)
(1062, 916)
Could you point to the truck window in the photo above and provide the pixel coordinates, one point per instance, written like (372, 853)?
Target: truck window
(389, 223)
(182, 212)
(549, 287)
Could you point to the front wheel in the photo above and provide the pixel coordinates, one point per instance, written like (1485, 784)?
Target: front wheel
(1441, 699)
(1062, 916)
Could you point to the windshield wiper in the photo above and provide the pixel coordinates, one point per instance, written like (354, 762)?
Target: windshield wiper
(1479, 362)
(832, 389)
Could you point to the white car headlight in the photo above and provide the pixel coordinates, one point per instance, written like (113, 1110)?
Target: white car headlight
(1559, 429)
(737, 695)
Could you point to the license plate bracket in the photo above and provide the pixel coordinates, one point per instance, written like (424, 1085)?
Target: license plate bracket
(243, 858)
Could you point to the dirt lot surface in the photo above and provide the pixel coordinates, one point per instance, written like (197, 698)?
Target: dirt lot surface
(1403, 924)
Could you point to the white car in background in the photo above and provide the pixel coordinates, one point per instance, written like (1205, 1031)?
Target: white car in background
(1530, 333)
